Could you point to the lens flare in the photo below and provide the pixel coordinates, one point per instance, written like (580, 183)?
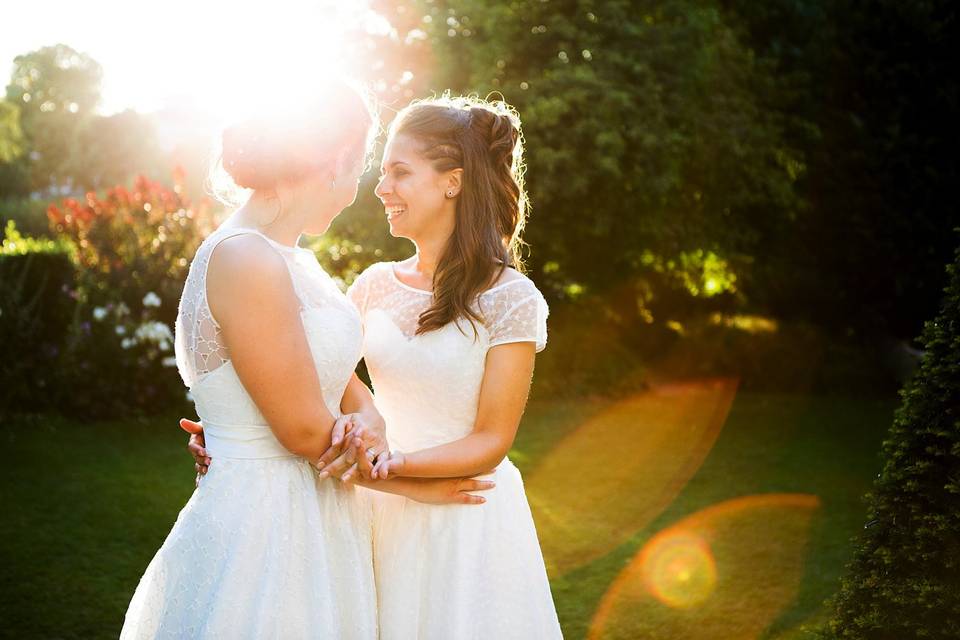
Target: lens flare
(725, 572)
(679, 569)
(585, 506)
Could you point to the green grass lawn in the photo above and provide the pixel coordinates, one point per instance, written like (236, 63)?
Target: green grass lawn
(85, 506)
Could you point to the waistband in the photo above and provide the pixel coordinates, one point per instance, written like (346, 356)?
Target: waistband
(247, 442)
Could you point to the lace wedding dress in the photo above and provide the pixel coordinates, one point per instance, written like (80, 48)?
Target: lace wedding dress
(450, 571)
(262, 549)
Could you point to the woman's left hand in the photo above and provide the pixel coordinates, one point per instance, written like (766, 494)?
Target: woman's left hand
(353, 433)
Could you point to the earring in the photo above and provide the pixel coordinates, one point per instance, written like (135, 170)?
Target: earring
(450, 194)
(333, 185)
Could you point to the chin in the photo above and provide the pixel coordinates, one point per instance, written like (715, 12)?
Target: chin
(397, 231)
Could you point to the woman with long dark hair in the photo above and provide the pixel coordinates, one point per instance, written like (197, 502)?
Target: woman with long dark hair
(450, 336)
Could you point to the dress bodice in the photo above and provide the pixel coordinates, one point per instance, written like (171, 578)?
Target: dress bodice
(427, 386)
(233, 424)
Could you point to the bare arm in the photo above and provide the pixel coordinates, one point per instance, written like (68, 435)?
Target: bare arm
(503, 396)
(357, 398)
(433, 490)
(251, 296)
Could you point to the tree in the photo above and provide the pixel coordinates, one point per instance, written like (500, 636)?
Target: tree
(13, 161)
(647, 138)
(116, 147)
(873, 95)
(11, 134)
(57, 90)
(904, 581)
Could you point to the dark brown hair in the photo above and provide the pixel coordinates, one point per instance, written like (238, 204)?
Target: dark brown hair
(265, 150)
(484, 139)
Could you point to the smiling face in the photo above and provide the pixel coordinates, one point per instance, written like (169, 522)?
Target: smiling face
(414, 194)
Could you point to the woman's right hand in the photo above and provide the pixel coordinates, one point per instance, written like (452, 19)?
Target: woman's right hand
(196, 446)
(448, 490)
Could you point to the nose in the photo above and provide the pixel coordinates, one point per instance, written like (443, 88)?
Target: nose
(382, 188)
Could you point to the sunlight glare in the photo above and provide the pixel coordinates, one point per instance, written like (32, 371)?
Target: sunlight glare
(726, 571)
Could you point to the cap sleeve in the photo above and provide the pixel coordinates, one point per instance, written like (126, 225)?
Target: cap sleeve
(517, 312)
(359, 291)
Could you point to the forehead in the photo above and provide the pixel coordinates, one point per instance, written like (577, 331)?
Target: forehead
(401, 148)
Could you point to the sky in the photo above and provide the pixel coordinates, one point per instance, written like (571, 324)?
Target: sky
(211, 56)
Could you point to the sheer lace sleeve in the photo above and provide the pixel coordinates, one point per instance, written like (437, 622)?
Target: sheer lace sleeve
(198, 340)
(359, 291)
(516, 312)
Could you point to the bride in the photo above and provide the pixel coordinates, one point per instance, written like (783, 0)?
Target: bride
(450, 336)
(268, 344)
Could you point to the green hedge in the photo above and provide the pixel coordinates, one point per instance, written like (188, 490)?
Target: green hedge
(37, 285)
(904, 581)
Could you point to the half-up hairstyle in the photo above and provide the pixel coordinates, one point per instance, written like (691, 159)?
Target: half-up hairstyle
(484, 139)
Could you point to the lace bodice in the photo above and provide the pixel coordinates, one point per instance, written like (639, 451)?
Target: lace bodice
(331, 323)
(428, 386)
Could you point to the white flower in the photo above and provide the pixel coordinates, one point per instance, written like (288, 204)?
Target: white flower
(169, 361)
(156, 332)
(126, 343)
(151, 300)
(164, 345)
(120, 329)
(122, 309)
(99, 313)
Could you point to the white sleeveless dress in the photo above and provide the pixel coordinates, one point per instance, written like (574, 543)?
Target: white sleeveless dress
(456, 572)
(262, 549)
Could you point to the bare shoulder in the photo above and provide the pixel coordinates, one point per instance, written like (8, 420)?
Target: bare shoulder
(243, 268)
(244, 256)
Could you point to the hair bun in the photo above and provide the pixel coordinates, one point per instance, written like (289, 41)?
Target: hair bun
(286, 144)
(247, 158)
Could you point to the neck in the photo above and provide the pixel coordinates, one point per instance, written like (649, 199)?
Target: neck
(263, 213)
(429, 252)
(431, 245)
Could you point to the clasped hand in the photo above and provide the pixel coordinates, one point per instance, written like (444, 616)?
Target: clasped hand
(358, 449)
(351, 436)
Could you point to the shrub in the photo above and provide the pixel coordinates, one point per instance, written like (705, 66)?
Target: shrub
(37, 302)
(904, 580)
(131, 243)
(586, 355)
(28, 214)
(89, 316)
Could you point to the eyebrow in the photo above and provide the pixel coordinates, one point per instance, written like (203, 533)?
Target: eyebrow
(389, 164)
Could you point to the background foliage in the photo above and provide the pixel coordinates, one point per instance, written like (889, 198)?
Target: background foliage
(904, 580)
(784, 160)
(756, 190)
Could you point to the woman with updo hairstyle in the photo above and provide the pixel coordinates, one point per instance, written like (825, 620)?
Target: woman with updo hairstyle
(267, 344)
(450, 337)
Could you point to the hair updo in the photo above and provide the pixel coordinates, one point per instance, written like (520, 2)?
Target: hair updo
(265, 150)
(484, 139)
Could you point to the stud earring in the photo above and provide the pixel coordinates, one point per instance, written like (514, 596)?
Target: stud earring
(449, 194)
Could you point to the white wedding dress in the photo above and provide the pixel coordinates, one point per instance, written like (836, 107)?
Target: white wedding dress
(262, 549)
(450, 572)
